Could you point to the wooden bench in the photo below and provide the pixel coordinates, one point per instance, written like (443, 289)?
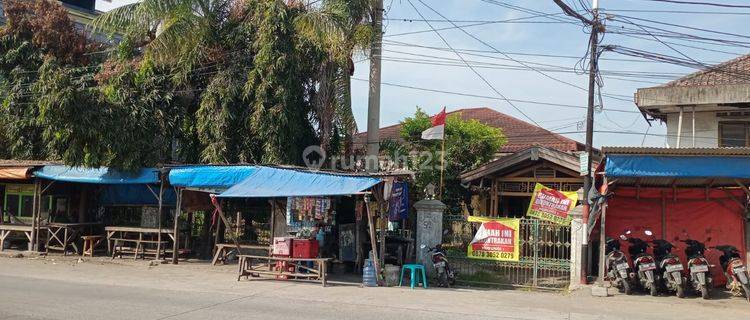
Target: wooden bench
(222, 250)
(26, 230)
(316, 272)
(89, 244)
(118, 249)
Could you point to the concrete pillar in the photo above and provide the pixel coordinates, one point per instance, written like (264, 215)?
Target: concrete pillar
(577, 232)
(429, 229)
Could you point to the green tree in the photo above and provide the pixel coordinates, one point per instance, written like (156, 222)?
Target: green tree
(468, 144)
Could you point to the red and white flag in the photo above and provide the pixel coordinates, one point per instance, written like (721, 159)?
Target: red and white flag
(437, 131)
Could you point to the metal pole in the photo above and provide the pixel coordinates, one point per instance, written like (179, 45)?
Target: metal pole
(679, 127)
(602, 242)
(177, 214)
(373, 106)
(693, 126)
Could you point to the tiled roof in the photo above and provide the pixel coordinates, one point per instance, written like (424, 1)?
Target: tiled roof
(520, 134)
(735, 71)
(677, 151)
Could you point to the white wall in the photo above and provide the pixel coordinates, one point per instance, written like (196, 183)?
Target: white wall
(706, 129)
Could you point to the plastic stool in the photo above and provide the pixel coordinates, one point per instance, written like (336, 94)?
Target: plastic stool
(414, 268)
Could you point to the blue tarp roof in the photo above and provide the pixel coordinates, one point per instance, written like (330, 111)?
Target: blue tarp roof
(678, 166)
(209, 177)
(97, 176)
(268, 182)
(136, 195)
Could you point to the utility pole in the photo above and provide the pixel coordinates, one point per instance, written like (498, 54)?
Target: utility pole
(596, 27)
(373, 106)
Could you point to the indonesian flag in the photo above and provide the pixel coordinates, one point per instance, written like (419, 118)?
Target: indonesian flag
(437, 131)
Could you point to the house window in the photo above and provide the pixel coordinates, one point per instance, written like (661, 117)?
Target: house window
(734, 134)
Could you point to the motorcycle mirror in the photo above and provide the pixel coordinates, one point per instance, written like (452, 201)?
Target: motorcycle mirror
(648, 232)
(623, 237)
(628, 232)
(422, 246)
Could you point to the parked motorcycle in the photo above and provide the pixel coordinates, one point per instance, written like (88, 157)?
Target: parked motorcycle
(734, 269)
(446, 276)
(617, 266)
(644, 264)
(700, 277)
(670, 267)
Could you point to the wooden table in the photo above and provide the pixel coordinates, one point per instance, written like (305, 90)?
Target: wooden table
(60, 236)
(223, 249)
(317, 272)
(135, 235)
(7, 229)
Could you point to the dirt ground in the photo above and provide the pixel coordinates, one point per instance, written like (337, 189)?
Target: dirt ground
(96, 288)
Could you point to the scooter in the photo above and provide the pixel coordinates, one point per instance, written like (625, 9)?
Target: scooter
(617, 266)
(644, 264)
(446, 276)
(700, 277)
(735, 270)
(670, 267)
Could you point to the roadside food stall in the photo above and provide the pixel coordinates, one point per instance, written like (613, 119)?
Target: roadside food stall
(305, 209)
(695, 193)
(97, 204)
(18, 197)
(193, 185)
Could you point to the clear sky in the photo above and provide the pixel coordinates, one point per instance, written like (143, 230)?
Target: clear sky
(407, 62)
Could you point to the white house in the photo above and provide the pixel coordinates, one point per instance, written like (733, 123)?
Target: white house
(709, 108)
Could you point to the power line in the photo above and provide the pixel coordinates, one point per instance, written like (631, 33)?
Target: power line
(463, 94)
(723, 5)
(470, 67)
(679, 12)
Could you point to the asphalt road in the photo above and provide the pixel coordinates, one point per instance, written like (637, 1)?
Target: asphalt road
(45, 289)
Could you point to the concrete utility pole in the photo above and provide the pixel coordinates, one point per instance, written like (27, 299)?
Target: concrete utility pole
(596, 27)
(373, 107)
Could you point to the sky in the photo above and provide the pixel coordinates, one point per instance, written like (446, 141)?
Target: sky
(512, 56)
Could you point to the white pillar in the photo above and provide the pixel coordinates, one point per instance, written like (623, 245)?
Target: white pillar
(429, 229)
(577, 232)
(679, 128)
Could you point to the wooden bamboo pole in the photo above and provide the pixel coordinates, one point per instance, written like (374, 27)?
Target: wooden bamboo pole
(177, 213)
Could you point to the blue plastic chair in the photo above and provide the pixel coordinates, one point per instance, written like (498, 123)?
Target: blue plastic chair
(414, 268)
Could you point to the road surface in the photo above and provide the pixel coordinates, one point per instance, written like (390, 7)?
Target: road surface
(63, 288)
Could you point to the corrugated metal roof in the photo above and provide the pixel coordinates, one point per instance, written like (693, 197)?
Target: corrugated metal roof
(677, 151)
(25, 163)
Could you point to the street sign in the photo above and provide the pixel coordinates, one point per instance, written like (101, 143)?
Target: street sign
(583, 159)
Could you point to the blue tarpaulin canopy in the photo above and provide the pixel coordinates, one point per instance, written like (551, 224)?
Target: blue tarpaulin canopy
(209, 177)
(268, 182)
(98, 175)
(135, 195)
(677, 166)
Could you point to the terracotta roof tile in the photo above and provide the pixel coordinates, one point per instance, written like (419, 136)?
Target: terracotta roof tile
(520, 134)
(735, 71)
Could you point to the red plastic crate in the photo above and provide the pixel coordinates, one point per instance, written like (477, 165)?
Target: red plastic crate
(305, 248)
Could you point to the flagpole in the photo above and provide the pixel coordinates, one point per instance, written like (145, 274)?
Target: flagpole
(442, 165)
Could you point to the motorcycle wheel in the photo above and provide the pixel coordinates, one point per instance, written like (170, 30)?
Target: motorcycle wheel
(680, 291)
(443, 280)
(654, 290)
(626, 288)
(747, 291)
(705, 292)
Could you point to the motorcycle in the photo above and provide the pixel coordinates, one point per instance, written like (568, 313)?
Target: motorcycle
(670, 267)
(700, 277)
(644, 264)
(617, 265)
(445, 274)
(735, 270)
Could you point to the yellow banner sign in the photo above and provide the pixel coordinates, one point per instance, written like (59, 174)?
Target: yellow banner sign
(552, 205)
(496, 239)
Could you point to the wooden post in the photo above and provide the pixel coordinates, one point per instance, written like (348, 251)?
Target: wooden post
(373, 243)
(177, 213)
(602, 241)
(158, 233)
(33, 244)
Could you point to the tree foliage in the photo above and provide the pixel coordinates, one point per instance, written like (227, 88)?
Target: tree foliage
(467, 145)
(216, 81)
